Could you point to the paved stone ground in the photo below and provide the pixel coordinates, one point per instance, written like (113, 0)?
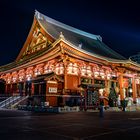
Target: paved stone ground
(22, 125)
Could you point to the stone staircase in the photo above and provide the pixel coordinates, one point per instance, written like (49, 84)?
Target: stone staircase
(12, 101)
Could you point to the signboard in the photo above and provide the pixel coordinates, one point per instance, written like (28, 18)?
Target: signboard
(52, 89)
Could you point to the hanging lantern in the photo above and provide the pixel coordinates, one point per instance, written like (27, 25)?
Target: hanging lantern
(102, 74)
(59, 69)
(72, 69)
(96, 73)
(108, 76)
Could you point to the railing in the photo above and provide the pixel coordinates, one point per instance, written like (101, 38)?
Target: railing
(4, 97)
(15, 104)
(10, 101)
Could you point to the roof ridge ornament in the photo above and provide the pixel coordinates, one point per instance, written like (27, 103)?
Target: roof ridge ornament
(38, 15)
(61, 35)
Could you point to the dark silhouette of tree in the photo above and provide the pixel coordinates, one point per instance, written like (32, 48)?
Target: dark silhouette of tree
(112, 97)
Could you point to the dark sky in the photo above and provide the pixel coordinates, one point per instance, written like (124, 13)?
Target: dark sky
(118, 22)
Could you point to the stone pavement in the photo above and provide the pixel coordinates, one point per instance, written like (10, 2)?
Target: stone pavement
(22, 125)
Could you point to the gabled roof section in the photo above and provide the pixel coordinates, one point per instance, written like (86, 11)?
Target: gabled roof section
(36, 41)
(86, 41)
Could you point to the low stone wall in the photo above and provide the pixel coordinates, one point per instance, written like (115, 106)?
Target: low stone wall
(49, 109)
(38, 108)
(131, 108)
(73, 109)
(114, 109)
(128, 108)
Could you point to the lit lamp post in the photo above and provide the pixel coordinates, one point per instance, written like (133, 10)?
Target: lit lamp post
(130, 92)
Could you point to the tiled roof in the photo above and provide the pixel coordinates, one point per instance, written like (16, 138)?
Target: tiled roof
(88, 42)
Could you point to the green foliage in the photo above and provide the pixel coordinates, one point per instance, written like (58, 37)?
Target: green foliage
(112, 97)
(113, 94)
(95, 97)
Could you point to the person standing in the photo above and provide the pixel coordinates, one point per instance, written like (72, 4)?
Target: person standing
(101, 109)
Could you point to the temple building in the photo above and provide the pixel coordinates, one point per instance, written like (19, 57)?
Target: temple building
(62, 63)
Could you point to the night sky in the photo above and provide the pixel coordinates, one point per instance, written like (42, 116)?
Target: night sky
(117, 22)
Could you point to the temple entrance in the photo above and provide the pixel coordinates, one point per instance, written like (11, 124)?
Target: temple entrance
(39, 96)
(40, 88)
(90, 96)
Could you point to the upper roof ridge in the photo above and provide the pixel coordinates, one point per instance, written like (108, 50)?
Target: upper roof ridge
(41, 16)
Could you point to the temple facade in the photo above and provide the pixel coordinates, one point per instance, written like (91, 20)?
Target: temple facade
(67, 66)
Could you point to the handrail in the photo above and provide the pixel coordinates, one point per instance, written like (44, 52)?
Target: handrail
(5, 101)
(18, 101)
(9, 101)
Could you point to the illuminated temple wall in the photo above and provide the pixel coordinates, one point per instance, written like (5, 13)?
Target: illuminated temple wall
(56, 68)
(73, 75)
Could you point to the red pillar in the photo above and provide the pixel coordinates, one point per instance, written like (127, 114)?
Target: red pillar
(134, 89)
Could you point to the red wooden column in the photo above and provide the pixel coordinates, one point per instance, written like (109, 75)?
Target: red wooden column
(47, 92)
(32, 89)
(134, 88)
(120, 79)
(106, 86)
(79, 76)
(65, 77)
(121, 86)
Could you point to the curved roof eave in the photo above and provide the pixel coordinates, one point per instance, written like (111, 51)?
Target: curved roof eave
(95, 55)
(92, 54)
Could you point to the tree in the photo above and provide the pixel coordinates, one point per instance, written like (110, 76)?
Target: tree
(95, 98)
(112, 97)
